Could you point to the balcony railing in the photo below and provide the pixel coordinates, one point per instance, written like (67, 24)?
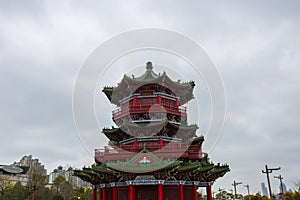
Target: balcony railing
(152, 108)
(175, 150)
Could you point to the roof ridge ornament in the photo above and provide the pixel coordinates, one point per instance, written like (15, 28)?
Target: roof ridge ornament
(149, 66)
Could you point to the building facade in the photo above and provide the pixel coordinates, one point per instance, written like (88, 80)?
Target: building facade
(264, 189)
(69, 176)
(22, 170)
(35, 166)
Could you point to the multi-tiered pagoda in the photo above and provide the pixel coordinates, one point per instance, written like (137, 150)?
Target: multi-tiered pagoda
(154, 153)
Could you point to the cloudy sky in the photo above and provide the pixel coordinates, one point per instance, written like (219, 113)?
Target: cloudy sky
(255, 45)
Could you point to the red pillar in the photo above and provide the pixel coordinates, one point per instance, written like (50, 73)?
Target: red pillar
(160, 143)
(134, 193)
(103, 193)
(195, 192)
(177, 103)
(135, 145)
(131, 192)
(209, 193)
(100, 194)
(158, 99)
(181, 195)
(134, 101)
(160, 191)
(95, 193)
(114, 196)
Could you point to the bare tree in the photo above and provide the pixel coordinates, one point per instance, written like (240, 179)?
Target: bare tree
(296, 183)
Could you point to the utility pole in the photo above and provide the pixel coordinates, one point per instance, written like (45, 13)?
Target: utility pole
(234, 187)
(281, 185)
(268, 171)
(247, 186)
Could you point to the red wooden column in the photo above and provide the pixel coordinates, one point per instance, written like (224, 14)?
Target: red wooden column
(114, 195)
(131, 192)
(160, 191)
(134, 193)
(195, 193)
(160, 143)
(135, 145)
(209, 193)
(181, 194)
(158, 99)
(100, 194)
(95, 193)
(134, 101)
(103, 191)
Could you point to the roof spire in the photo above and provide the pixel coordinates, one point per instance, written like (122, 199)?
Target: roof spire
(149, 66)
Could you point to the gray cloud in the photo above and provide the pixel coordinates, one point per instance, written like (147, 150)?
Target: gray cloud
(254, 44)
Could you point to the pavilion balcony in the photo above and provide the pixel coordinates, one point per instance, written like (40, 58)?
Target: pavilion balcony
(174, 150)
(148, 108)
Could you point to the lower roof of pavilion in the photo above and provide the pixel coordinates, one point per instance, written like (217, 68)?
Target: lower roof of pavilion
(202, 171)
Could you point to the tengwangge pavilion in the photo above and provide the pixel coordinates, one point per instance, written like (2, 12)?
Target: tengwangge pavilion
(153, 153)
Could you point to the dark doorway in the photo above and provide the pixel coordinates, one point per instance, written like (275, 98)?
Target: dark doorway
(146, 192)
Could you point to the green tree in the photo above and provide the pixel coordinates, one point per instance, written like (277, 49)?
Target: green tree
(67, 190)
(223, 195)
(36, 182)
(57, 197)
(5, 184)
(17, 192)
(43, 193)
(291, 195)
(83, 193)
(57, 182)
(200, 196)
(256, 197)
(63, 187)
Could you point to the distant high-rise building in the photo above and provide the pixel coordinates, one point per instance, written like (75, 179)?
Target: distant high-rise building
(283, 187)
(68, 175)
(21, 171)
(56, 173)
(35, 167)
(264, 189)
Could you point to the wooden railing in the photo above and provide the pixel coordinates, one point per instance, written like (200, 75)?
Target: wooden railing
(145, 108)
(175, 150)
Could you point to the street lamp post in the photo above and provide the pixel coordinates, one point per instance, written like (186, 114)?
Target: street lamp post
(234, 187)
(268, 171)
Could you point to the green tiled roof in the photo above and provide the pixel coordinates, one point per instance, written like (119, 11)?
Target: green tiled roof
(149, 75)
(131, 165)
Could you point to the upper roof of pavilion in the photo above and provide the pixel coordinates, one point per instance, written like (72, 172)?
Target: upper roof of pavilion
(132, 85)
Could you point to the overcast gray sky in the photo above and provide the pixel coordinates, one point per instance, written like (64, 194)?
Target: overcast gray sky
(254, 44)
